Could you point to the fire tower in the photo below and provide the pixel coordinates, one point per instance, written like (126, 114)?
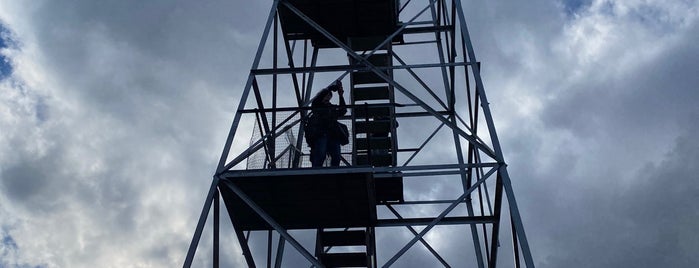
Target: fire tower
(423, 174)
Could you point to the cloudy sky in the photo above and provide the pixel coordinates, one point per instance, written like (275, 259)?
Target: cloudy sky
(113, 115)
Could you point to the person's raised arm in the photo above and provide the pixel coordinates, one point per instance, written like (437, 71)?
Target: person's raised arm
(342, 110)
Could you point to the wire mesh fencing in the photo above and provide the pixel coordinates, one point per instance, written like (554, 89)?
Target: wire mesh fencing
(281, 146)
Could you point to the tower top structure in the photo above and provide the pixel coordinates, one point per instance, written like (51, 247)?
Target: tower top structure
(423, 156)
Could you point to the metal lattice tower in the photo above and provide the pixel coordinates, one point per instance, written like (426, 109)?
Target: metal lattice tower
(423, 173)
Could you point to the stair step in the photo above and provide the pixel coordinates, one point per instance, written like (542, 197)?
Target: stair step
(366, 77)
(373, 143)
(344, 238)
(344, 259)
(376, 126)
(370, 93)
(378, 60)
(361, 113)
(371, 112)
(382, 160)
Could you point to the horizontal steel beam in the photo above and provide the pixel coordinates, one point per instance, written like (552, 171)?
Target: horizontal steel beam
(425, 202)
(341, 68)
(307, 108)
(345, 170)
(427, 221)
(428, 29)
(420, 114)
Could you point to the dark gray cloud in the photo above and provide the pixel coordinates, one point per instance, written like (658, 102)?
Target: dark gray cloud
(604, 133)
(100, 141)
(646, 223)
(646, 99)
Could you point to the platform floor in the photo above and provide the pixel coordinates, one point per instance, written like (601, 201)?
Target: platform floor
(303, 201)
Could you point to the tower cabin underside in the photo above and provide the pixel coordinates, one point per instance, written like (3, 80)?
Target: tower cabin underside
(344, 19)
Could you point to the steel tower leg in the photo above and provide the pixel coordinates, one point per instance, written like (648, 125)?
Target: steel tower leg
(200, 226)
(496, 143)
(217, 213)
(457, 142)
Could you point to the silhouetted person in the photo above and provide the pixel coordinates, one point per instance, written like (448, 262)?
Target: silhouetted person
(322, 133)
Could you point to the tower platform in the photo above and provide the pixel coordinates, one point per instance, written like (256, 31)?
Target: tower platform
(342, 18)
(310, 198)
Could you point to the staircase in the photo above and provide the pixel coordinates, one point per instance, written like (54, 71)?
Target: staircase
(346, 248)
(373, 118)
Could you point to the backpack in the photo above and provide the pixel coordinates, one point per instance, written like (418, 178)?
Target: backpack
(341, 133)
(311, 128)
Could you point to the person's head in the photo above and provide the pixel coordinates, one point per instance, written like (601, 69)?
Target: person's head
(323, 96)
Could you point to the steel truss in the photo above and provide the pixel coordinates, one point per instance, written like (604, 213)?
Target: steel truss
(442, 88)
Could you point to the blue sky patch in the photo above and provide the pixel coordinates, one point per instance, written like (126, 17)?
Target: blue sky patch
(574, 6)
(5, 67)
(9, 242)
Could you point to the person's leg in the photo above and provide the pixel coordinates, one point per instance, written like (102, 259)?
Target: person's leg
(333, 148)
(318, 151)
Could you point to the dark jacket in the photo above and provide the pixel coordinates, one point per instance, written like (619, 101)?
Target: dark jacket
(324, 118)
(326, 114)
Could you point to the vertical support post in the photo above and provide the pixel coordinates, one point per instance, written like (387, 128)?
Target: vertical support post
(200, 226)
(269, 249)
(443, 68)
(373, 247)
(290, 59)
(515, 247)
(517, 219)
(280, 253)
(275, 40)
(311, 76)
(306, 100)
(452, 50)
(303, 77)
(492, 261)
(217, 206)
(269, 150)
